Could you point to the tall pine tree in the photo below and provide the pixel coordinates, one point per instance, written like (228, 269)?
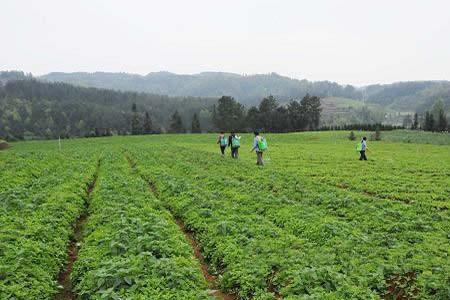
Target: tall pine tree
(429, 122)
(196, 124)
(439, 116)
(148, 126)
(135, 125)
(176, 124)
(415, 124)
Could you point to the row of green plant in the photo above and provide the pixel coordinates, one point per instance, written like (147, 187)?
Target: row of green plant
(132, 248)
(41, 202)
(350, 243)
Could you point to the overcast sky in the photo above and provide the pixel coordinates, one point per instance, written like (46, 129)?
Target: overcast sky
(353, 41)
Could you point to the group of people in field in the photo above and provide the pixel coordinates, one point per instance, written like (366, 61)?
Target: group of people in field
(260, 146)
(234, 142)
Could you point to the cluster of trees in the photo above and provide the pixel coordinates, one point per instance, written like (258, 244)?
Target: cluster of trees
(269, 115)
(142, 124)
(434, 120)
(176, 124)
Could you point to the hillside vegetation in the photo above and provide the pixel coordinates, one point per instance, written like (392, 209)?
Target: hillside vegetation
(249, 89)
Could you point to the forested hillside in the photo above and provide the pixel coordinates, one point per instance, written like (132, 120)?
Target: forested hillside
(33, 109)
(249, 90)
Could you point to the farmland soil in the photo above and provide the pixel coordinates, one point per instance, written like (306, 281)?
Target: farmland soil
(399, 285)
(64, 280)
(211, 279)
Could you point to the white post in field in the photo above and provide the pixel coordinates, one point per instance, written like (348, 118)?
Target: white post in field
(59, 143)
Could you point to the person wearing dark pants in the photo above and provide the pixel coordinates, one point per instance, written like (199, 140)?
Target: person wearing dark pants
(259, 158)
(363, 149)
(234, 143)
(363, 155)
(234, 152)
(222, 141)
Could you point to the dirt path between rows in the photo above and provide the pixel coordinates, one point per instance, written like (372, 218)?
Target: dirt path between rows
(190, 238)
(64, 280)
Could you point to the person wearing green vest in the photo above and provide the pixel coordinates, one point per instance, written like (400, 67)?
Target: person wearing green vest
(222, 142)
(234, 142)
(259, 145)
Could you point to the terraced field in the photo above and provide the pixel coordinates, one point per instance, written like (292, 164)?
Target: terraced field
(166, 217)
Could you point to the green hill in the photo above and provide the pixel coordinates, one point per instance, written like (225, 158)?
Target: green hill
(250, 89)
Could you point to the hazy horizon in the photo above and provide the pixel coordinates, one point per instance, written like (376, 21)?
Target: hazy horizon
(356, 42)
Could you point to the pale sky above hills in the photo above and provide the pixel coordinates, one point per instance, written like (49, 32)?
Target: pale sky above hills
(353, 41)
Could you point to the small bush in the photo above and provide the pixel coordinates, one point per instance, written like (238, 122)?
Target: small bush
(378, 134)
(352, 136)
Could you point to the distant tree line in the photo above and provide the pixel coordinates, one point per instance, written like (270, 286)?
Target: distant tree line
(432, 120)
(269, 116)
(363, 127)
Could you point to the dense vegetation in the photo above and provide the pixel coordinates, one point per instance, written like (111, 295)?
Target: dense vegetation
(43, 193)
(269, 116)
(132, 248)
(314, 223)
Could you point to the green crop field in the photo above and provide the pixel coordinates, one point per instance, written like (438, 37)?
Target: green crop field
(166, 217)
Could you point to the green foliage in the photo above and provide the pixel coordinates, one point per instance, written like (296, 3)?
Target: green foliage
(315, 223)
(132, 249)
(41, 197)
(229, 114)
(340, 234)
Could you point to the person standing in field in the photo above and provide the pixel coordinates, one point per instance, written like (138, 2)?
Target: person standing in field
(222, 141)
(234, 142)
(363, 149)
(259, 145)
